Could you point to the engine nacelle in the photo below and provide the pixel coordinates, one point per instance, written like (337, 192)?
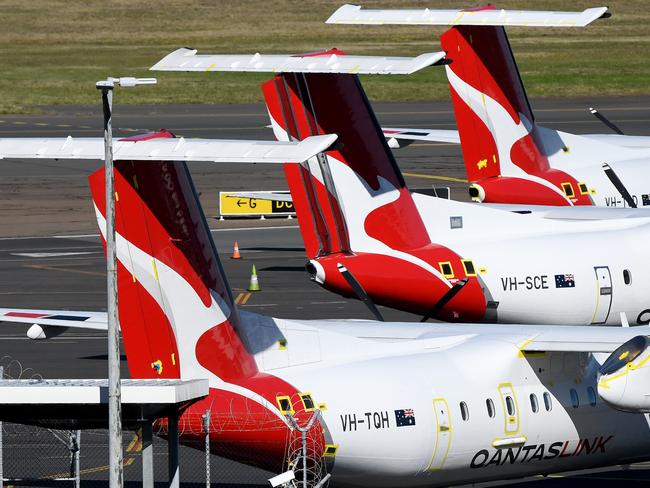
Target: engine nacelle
(624, 380)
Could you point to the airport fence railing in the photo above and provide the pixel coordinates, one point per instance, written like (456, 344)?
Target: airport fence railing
(36, 456)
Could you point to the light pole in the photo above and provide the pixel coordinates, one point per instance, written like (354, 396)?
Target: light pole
(114, 391)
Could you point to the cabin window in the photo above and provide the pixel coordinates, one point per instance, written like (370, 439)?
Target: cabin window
(330, 450)
(591, 393)
(533, 403)
(468, 265)
(568, 190)
(307, 402)
(510, 405)
(548, 403)
(627, 277)
(284, 403)
(490, 407)
(446, 269)
(575, 400)
(464, 411)
(583, 188)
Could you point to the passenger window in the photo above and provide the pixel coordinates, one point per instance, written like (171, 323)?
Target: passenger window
(510, 405)
(490, 407)
(568, 189)
(446, 269)
(575, 401)
(464, 412)
(307, 402)
(468, 264)
(548, 404)
(533, 403)
(592, 396)
(627, 277)
(284, 402)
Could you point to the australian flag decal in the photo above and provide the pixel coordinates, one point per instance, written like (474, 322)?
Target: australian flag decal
(645, 199)
(565, 281)
(404, 417)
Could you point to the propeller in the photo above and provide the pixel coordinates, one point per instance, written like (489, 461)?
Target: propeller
(451, 293)
(618, 184)
(359, 291)
(606, 121)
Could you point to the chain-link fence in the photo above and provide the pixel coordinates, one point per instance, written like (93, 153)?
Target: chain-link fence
(34, 456)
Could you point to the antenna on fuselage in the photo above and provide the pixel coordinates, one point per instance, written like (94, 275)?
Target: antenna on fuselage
(453, 291)
(606, 121)
(618, 184)
(360, 292)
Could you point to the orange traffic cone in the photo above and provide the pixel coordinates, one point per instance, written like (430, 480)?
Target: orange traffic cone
(235, 252)
(254, 284)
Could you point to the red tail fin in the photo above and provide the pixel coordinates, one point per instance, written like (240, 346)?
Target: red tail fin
(175, 306)
(354, 197)
(496, 125)
(488, 96)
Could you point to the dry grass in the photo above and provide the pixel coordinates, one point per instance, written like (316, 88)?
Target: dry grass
(52, 51)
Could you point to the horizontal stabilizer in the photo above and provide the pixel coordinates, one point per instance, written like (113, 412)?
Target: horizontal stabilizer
(327, 62)
(167, 149)
(354, 14)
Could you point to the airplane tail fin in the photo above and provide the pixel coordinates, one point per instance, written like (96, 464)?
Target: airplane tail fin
(176, 311)
(352, 197)
(506, 154)
(492, 110)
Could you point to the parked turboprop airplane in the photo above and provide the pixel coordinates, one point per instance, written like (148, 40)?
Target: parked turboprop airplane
(509, 158)
(366, 235)
(508, 401)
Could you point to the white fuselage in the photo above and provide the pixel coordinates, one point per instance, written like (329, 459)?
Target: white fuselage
(528, 261)
(368, 385)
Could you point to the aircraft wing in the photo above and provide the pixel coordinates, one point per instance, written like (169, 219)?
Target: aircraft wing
(167, 149)
(354, 14)
(398, 137)
(581, 339)
(642, 142)
(60, 318)
(185, 59)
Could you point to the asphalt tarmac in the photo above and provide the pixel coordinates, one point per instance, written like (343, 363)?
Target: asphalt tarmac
(50, 254)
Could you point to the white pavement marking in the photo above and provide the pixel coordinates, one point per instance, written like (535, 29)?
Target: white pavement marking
(80, 236)
(51, 254)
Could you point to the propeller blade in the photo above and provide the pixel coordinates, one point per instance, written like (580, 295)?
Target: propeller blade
(451, 293)
(618, 184)
(605, 121)
(359, 291)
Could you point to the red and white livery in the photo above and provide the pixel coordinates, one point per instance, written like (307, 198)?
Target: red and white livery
(510, 158)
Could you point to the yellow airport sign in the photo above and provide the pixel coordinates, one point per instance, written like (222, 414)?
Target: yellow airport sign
(230, 204)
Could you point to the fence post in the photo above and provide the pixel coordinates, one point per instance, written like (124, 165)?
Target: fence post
(77, 462)
(206, 429)
(2, 471)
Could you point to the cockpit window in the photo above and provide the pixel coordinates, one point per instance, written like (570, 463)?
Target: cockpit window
(625, 354)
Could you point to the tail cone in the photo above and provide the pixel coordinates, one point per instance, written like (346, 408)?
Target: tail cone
(235, 252)
(254, 284)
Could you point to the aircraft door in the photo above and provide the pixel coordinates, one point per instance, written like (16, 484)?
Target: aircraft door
(604, 296)
(443, 434)
(510, 408)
